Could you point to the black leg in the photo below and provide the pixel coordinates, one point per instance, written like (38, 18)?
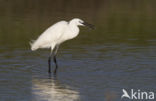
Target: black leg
(55, 61)
(54, 58)
(49, 63)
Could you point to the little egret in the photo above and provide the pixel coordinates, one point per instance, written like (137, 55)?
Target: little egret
(57, 34)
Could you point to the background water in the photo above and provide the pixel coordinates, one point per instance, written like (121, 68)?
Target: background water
(96, 66)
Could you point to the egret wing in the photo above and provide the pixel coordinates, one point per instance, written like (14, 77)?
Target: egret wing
(50, 36)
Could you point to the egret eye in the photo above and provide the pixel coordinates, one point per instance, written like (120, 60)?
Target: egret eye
(80, 21)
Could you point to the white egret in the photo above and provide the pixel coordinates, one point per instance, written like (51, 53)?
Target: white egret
(57, 34)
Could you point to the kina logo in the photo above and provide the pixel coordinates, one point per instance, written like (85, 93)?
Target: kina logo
(137, 95)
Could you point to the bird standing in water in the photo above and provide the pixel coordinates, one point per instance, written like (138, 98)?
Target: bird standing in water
(57, 34)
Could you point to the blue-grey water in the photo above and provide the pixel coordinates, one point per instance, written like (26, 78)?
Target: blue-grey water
(119, 54)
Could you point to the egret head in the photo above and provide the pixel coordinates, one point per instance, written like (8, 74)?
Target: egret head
(80, 22)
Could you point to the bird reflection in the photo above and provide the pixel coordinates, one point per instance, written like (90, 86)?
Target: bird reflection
(52, 90)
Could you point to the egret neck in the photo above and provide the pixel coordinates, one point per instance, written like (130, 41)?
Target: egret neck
(73, 28)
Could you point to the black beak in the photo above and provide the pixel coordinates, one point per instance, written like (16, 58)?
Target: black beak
(89, 25)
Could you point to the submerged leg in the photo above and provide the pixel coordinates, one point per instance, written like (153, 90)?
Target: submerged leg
(49, 64)
(54, 59)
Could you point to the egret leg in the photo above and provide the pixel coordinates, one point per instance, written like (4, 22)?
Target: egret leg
(54, 59)
(49, 64)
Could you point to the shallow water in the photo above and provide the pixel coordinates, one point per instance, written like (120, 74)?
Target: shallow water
(96, 66)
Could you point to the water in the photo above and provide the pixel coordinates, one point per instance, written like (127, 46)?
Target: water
(96, 66)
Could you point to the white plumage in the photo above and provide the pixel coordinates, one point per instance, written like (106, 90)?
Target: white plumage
(56, 34)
